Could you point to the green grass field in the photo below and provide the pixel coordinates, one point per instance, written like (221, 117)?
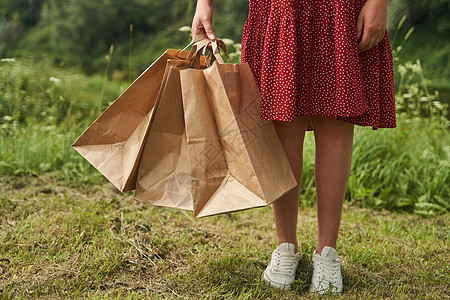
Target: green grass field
(59, 242)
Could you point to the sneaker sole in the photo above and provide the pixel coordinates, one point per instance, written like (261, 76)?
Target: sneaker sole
(315, 290)
(284, 286)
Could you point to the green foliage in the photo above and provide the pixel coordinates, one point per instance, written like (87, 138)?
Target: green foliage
(80, 31)
(435, 13)
(35, 149)
(413, 98)
(27, 11)
(402, 168)
(434, 53)
(79, 25)
(425, 41)
(35, 92)
(17, 17)
(229, 18)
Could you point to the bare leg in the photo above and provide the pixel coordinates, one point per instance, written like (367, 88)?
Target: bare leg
(285, 209)
(334, 143)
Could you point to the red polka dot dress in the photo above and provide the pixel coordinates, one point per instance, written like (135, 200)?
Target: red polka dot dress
(304, 57)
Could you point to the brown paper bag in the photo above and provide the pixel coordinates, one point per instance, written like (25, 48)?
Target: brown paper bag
(113, 143)
(207, 149)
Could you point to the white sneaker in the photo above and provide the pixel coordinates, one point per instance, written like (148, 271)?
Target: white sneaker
(327, 274)
(282, 267)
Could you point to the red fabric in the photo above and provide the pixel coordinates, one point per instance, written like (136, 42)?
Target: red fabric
(304, 57)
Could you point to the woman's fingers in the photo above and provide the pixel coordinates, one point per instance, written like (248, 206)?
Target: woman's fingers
(367, 41)
(359, 26)
(371, 24)
(209, 30)
(370, 40)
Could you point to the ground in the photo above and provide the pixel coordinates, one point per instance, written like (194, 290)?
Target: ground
(63, 240)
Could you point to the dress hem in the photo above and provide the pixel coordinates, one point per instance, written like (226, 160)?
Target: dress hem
(309, 126)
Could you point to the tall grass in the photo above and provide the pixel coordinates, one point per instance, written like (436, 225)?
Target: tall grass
(43, 109)
(37, 149)
(406, 168)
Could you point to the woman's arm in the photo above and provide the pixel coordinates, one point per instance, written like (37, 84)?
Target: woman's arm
(371, 24)
(202, 22)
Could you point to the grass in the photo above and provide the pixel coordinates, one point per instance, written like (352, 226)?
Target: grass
(59, 241)
(402, 168)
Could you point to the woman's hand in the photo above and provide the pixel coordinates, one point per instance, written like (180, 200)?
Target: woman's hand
(371, 24)
(202, 22)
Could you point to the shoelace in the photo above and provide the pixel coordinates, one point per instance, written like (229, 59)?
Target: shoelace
(327, 271)
(285, 263)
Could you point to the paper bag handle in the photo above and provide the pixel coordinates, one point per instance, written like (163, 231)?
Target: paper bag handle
(194, 58)
(200, 43)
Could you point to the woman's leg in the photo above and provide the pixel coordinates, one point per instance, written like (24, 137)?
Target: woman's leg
(285, 209)
(334, 143)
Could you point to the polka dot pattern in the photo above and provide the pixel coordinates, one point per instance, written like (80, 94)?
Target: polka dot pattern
(304, 57)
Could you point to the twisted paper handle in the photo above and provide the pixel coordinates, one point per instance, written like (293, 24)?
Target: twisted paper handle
(200, 45)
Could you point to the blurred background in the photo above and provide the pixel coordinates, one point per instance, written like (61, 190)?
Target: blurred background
(80, 32)
(64, 62)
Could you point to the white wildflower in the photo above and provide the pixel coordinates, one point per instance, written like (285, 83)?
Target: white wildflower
(184, 29)
(228, 42)
(55, 80)
(10, 59)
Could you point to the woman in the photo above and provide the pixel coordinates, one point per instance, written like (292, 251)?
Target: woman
(322, 65)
